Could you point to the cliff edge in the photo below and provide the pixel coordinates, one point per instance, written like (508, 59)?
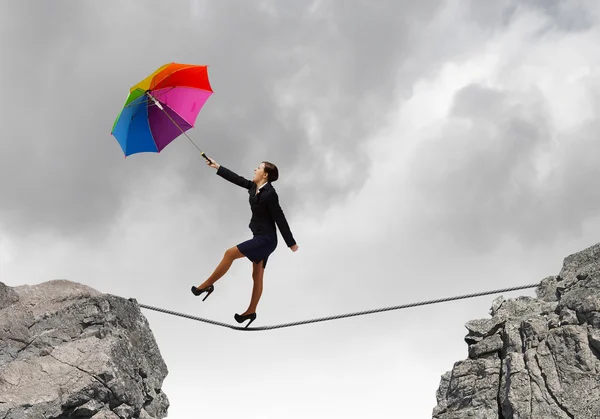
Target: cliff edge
(67, 350)
(535, 358)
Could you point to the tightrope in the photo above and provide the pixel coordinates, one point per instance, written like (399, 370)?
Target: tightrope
(339, 316)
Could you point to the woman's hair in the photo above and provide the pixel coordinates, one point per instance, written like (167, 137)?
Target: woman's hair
(271, 171)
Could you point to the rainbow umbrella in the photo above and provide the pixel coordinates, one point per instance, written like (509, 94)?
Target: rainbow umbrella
(161, 107)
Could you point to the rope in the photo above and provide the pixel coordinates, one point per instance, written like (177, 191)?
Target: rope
(340, 316)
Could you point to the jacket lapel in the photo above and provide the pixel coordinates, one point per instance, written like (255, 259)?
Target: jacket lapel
(255, 192)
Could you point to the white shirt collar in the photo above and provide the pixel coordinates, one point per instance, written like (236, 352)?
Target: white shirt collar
(260, 187)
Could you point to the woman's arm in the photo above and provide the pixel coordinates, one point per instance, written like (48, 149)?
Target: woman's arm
(230, 176)
(234, 177)
(279, 218)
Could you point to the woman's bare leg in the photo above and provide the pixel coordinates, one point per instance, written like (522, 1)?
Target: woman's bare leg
(230, 255)
(257, 277)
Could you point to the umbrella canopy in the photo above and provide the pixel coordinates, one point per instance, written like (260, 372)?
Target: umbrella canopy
(161, 107)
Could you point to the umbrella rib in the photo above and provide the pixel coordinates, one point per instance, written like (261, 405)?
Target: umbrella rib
(145, 102)
(148, 101)
(180, 129)
(136, 103)
(152, 134)
(173, 110)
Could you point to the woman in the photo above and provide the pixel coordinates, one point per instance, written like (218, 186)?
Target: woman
(266, 211)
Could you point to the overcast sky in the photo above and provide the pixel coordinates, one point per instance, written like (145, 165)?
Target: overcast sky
(425, 149)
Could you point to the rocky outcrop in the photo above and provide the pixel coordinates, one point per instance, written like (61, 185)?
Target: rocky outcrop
(535, 358)
(68, 351)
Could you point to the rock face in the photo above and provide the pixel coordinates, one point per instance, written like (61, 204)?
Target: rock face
(68, 351)
(535, 358)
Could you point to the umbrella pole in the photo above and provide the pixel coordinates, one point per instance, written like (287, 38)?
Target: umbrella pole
(157, 103)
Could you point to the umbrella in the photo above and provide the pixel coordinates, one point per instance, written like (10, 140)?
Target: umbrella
(161, 107)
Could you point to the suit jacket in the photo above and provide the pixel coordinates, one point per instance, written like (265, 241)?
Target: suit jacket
(264, 205)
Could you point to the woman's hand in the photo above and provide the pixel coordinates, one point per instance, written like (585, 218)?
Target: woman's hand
(294, 247)
(213, 163)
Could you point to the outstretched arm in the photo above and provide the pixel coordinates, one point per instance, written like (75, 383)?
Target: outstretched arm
(234, 177)
(279, 217)
(230, 176)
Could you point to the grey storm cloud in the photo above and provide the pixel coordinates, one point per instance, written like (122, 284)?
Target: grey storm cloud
(483, 181)
(564, 15)
(67, 69)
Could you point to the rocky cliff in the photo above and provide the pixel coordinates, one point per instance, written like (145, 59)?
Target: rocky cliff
(67, 350)
(534, 358)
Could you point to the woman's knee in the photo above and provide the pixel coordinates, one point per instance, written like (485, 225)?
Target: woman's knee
(233, 253)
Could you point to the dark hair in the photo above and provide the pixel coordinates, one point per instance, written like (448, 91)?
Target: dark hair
(272, 171)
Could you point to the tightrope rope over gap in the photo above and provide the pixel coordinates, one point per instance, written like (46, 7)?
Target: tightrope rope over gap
(322, 319)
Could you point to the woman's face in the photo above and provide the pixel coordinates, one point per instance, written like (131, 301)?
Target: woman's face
(259, 173)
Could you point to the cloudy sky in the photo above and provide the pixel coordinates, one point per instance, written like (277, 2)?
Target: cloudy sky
(426, 149)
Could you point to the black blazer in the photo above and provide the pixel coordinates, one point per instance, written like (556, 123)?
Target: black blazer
(264, 205)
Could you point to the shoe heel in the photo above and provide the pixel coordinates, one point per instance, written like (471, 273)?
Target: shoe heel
(198, 291)
(241, 319)
(208, 293)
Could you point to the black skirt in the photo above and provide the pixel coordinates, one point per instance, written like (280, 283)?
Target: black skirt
(259, 247)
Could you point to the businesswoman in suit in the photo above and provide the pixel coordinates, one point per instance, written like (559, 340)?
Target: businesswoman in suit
(266, 212)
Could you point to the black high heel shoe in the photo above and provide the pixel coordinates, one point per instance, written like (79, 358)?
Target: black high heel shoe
(208, 290)
(241, 319)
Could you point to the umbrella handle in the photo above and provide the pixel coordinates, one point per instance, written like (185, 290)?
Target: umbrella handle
(204, 155)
